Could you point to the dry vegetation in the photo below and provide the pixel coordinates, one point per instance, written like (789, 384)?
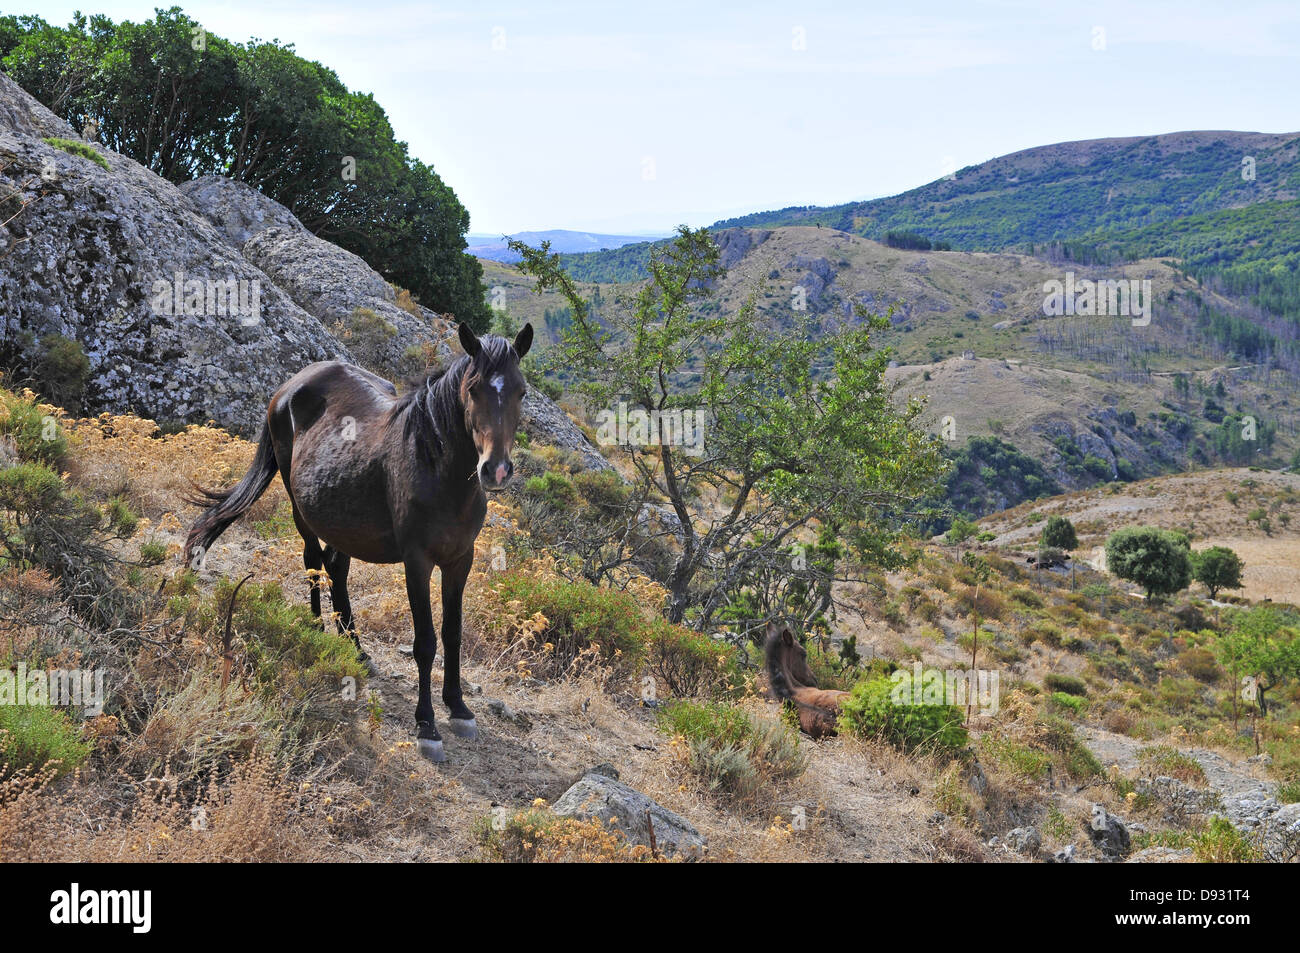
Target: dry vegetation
(279, 766)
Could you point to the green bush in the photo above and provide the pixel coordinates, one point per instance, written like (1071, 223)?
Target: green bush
(45, 524)
(1057, 735)
(1071, 703)
(961, 530)
(63, 370)
(556, 488)
(295, 663)
(732, 752)
(1169, 761)
(32, 736)
(690, 663)
(1068, 684)
(1221, 843)
(602, 489)
(37, 438)
(580, 615)
(878, 708)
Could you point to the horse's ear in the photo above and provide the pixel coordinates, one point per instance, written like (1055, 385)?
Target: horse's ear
(772, 630)
(469, 340)
(787, 636)
(524, 340)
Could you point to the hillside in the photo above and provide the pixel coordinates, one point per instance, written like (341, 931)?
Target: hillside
(1089, 398)
(281, 770)
(1069, 189)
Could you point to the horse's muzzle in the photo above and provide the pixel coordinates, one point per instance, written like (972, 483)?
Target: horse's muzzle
(495, 476)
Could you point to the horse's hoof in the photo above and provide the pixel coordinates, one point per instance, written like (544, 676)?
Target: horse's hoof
(431, 749)
(372, 669)
(463, 727)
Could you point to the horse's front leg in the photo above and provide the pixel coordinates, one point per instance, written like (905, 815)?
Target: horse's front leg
(454, 575)
(418, 571)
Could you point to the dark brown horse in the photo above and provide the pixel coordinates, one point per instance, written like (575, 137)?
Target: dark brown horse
(793, 681)
(389, 479)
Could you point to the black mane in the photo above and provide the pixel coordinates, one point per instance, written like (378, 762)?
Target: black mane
(430, 405)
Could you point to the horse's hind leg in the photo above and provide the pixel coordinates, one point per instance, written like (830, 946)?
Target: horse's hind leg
(313, 559)
(337, 565)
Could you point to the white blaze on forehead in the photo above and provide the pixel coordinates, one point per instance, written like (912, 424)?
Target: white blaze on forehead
(498, 384)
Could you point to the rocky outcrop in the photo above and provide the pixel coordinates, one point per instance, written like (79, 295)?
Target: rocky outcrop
(176, 323)
(323, 279)
(192, 303)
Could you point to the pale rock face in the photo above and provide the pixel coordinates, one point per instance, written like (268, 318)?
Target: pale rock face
(88, 258)
(98, 255)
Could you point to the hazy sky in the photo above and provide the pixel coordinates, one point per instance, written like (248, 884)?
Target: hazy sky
(638, 116)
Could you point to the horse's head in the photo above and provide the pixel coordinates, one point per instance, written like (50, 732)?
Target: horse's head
(784, 649)
(492, 392)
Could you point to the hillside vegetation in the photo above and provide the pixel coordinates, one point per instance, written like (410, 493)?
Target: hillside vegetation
(1104, 699)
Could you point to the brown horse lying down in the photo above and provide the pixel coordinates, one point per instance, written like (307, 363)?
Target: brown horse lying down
(793, 681)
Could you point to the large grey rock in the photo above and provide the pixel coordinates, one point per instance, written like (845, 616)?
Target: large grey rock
(544, 419)
(1178, 798)
(1024, 840)
(83, 256)
(625, 808)
(96, 255)
(322, 278)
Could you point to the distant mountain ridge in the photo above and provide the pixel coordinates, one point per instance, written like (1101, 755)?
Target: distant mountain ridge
(483, 245)
(1070, 189)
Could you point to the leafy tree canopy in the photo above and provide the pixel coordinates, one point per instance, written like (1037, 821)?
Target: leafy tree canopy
(185, 103)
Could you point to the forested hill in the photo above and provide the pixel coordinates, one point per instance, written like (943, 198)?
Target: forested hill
(1070, 189)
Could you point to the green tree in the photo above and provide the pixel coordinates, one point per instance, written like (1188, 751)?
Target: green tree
(1261, 645)
(801, 432)
(1217, 568)
(1058, 533)
(1157, 560)
(185, 103)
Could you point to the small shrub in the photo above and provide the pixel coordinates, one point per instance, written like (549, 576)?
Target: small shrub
(690, 663)
(537, 835)
(876, 708)
(1067, 684)
(33, 736)
(555, 488)
(36, 436)
(732, 752)
(960, 530)
(577, 616)
(63, 370)
(1221, 843)
(1169, 761)
(1057, 735)
(1060, 701)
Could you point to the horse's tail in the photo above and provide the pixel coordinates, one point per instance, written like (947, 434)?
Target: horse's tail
(223, 507)
(775, 673)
